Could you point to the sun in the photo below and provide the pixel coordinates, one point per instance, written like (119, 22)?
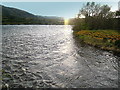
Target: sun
(66, 21)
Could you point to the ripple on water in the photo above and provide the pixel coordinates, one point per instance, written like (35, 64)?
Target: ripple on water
(48, 56)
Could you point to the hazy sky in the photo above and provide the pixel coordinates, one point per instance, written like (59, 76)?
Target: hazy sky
(61, 9)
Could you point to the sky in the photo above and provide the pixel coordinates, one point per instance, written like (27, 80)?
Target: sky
(60, 9)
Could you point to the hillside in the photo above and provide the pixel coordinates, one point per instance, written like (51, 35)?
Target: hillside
(17, 16)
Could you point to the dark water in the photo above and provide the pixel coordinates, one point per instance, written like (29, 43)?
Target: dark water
(49, 57)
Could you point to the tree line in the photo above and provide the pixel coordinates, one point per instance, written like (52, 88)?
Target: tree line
(96, 17)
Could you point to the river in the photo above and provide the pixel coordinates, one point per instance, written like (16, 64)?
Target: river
(48, 56)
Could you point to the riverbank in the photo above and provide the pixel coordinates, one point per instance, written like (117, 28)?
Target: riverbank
(103, 39)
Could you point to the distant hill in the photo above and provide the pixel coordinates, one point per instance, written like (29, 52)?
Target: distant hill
(17, 16)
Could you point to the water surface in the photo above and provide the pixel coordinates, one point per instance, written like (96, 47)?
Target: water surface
(47, 56)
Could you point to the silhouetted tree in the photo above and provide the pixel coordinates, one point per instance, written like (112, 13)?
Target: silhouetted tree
(96, 17)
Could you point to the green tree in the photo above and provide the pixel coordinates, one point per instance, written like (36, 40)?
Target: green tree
(96, 17)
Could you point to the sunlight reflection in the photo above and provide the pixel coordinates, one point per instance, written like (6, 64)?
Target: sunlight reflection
(70, 62)
(66, 27)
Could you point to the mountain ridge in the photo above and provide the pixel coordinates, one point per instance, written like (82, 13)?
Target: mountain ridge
(12, 15)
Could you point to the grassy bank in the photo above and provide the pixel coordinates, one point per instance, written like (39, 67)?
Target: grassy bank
(104, 39)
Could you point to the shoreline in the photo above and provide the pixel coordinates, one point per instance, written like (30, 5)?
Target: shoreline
(98, 42)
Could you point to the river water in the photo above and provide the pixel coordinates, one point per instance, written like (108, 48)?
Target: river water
(48, 56)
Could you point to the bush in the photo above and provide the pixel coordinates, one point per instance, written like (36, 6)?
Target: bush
(117, 43)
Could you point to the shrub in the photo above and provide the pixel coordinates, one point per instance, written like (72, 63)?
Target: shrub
(117, 43)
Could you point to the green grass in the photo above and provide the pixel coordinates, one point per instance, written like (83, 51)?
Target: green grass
(104, 39)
